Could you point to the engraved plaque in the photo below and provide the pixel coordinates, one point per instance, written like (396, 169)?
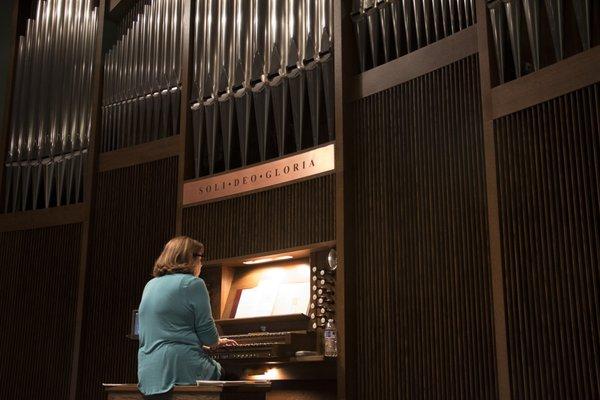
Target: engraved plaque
(283, 170)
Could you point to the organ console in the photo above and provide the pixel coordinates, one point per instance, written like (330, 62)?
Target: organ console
(276, 311)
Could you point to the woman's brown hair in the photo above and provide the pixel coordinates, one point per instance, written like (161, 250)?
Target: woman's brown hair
(179, 256)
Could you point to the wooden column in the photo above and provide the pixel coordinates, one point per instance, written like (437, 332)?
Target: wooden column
(89, 188)
(4, 133)
(342, 36)
(492, 203)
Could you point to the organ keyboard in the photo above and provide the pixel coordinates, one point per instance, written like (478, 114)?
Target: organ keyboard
(259, 339)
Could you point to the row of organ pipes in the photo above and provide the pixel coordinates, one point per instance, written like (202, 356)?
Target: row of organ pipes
(388, 29)
(142, 76)
(544, 21)
(262, 80)
(51, 106)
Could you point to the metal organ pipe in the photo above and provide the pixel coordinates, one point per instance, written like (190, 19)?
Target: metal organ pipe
(211, 33)
(292, 33)
(224, 79)
(276, 59)
(175, 78)
(325, 58)
(242, 56)
(197, 92)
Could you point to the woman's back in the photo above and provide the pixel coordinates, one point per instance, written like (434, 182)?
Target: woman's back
(175, 322)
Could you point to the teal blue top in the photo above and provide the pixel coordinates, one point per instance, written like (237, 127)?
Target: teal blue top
(175, 321)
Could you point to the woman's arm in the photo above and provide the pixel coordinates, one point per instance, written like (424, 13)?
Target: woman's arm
(204, 324)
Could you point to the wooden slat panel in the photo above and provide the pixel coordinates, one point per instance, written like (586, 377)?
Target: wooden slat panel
(288, 216)
(39, 289)
(548, 163)
(418, 304)
(133, 217)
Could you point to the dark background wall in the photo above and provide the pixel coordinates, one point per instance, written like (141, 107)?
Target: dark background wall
(418, 306)
(548, 180)
(134, 216)
(38, 288)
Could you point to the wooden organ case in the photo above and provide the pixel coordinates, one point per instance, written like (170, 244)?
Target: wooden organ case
(276, 307)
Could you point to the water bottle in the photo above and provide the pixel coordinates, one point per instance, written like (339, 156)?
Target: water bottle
(330, 336)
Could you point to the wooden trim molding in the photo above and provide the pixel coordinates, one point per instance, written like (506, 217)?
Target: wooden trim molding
(43, 218)
(140, 154)
(420, 62)
(566, 76)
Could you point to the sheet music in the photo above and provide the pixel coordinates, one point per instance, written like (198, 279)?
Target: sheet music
(256, 302)
(292, 298)
(274, 299)
(278, 291)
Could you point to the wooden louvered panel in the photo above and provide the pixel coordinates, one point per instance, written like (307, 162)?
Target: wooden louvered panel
(38, 286)
(134, 216)
(289, 216)
(418, 295)
(548, 183)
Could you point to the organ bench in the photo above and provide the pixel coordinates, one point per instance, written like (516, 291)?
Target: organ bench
(217, 390)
